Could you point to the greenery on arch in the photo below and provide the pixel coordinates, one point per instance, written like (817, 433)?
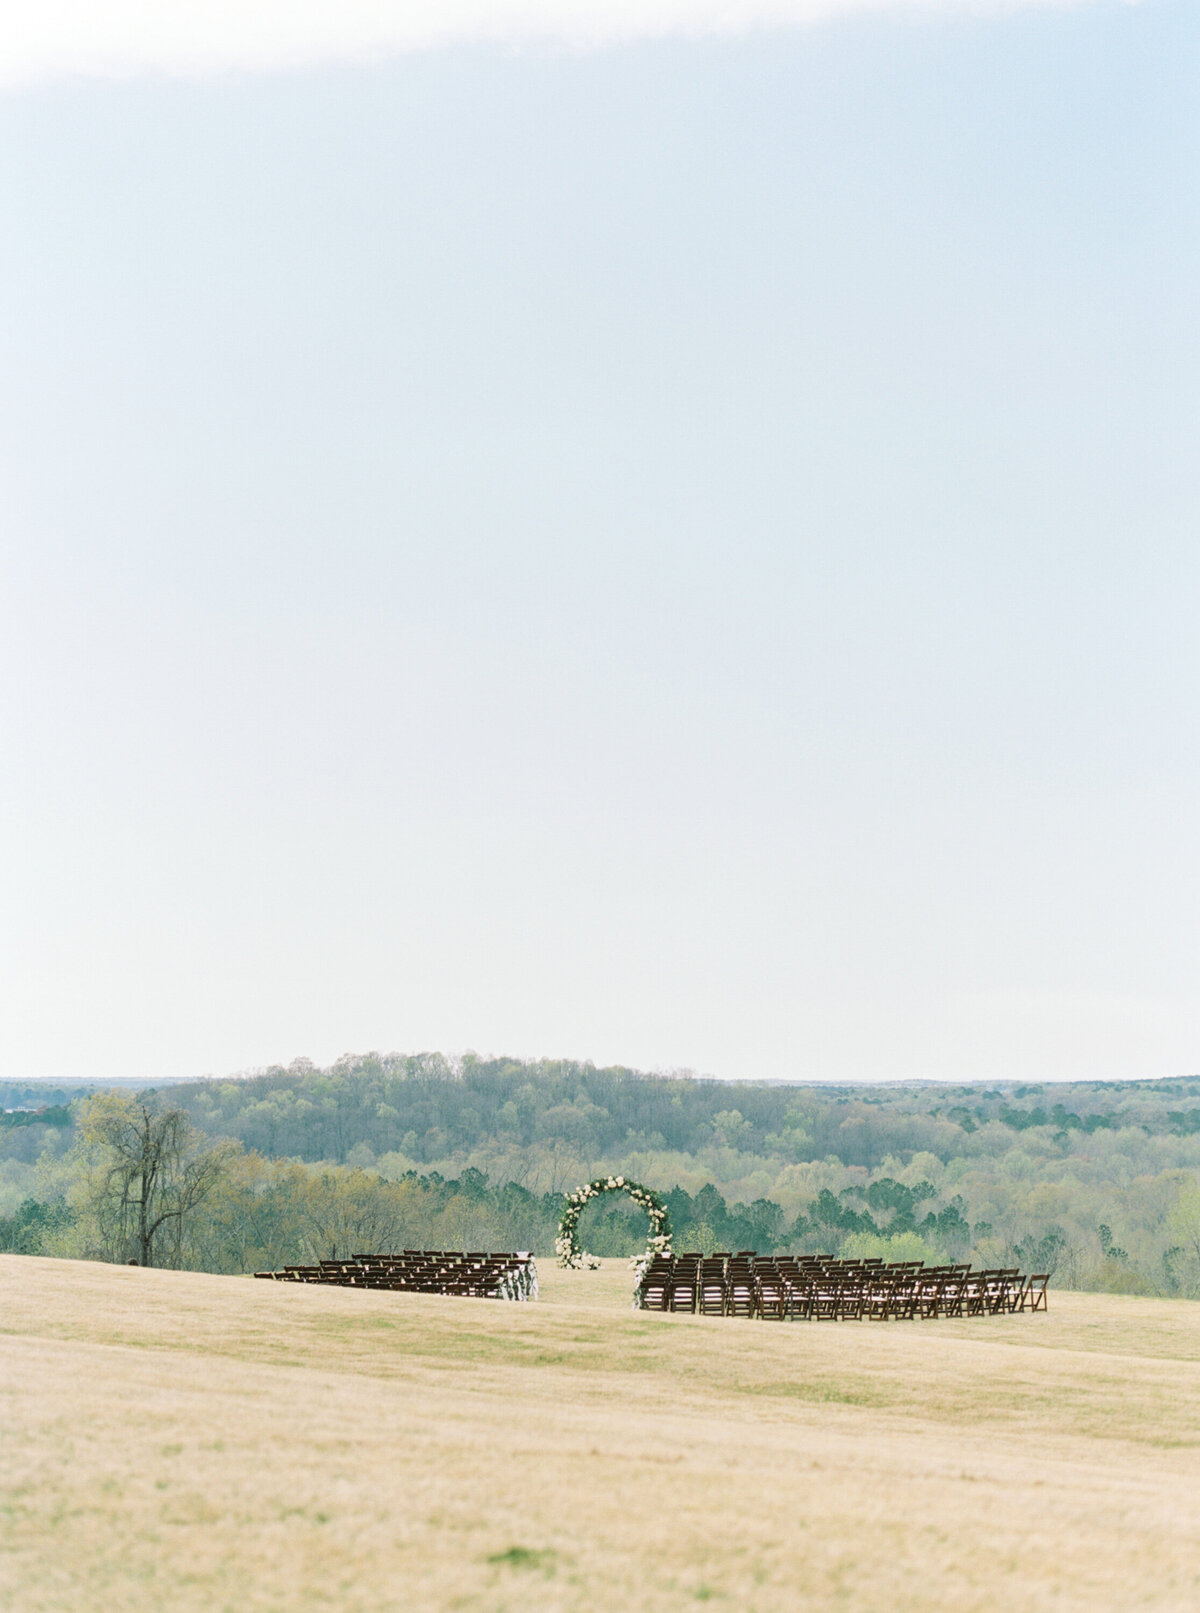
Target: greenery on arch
(566, 1244)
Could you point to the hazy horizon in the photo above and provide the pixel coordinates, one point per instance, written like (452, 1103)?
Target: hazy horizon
(301, 1062)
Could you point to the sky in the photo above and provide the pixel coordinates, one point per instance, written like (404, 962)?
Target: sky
(664, 534)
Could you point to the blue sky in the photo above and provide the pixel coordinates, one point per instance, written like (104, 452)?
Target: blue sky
(680, 552)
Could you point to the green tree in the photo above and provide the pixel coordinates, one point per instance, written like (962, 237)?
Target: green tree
(24, 1232)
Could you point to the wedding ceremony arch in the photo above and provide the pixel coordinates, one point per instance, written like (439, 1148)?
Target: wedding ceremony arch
(566, 1244)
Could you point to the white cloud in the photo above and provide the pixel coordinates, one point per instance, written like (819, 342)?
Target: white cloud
(44, 39)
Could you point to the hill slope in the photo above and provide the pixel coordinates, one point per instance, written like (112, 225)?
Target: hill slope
(196, 1442)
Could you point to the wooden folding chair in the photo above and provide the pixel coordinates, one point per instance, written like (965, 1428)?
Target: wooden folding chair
(684, 1286)
(655, 1290)
(772, 1293)
(826, 1304)
(711, 1288)
(741, 1298)
(1001, 1290)
(1036, 1291)
(797, 1302)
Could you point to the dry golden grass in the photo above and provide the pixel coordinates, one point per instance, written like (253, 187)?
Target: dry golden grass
(176, 1442)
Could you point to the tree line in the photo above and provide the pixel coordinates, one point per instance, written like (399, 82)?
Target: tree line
(1099, 1183)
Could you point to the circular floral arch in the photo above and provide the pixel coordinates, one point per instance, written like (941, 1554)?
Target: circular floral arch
(566, 1244)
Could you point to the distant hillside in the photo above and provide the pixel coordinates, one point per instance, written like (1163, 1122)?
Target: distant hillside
(431, 1108)
(1096, 1182)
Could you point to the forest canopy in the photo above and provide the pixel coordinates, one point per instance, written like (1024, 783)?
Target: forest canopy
(1097, 1182)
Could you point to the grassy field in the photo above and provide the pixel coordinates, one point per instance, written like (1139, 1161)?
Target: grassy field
(171, 1441)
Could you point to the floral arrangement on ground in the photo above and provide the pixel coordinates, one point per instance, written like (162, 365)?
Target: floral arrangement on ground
(566, 1244)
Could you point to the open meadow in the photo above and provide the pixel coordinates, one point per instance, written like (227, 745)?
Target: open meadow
(176, 1441)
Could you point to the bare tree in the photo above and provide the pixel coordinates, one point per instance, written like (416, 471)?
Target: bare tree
(149, 1169)
(344, 1212)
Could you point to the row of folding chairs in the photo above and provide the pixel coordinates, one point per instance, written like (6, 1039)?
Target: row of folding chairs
(819, 1288)
(473, 1274)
